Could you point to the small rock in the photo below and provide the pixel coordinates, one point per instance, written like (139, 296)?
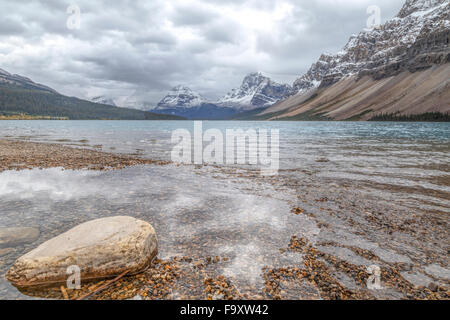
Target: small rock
(218, 297)
(433, 287)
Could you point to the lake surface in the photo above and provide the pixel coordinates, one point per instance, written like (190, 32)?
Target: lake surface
(405, 154)
(395, 168)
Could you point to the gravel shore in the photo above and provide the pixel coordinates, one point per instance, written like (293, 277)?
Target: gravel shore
(19, 155)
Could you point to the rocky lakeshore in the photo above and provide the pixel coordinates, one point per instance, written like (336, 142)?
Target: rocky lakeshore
(20, 155)
(330, 232)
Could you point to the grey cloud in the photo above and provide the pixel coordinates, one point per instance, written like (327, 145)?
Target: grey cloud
(188, 15)
(147, 47)
(10, 26)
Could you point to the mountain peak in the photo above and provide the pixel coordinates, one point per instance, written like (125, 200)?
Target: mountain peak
(415, 6)
(181, 97)
(181, 87)
(256, 91)
(254, 75)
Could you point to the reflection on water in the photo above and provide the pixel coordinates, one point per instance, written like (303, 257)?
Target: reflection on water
(193, 214)
(235, 213)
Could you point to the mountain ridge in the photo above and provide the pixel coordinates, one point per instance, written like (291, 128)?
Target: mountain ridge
(389, 43)
(14, 80)
(256, 92)
(409, 52)
(20, 96)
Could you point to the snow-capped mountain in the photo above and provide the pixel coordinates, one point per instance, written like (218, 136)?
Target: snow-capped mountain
(256, 91)
(15, 80)
(422, 26)
(184, 102)
(399, 68)
(104, 100)
(181, 97)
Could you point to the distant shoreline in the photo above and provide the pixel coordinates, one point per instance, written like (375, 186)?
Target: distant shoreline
(442, 118)
(27, 117)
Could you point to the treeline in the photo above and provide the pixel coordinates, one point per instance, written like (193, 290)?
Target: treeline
(424, 117)
(22, 116)
(42, 103)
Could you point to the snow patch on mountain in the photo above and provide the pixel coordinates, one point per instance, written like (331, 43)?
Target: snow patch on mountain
(256, 91)
(103, 100)
(4, 73)
(181, 97)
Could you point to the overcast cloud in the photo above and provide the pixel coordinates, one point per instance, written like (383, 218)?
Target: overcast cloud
(143, 48)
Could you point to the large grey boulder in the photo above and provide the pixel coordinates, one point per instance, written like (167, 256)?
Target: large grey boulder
(10, 237)
(101, 248)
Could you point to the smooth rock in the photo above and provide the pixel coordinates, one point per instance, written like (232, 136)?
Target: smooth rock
(101, 248)
(14, 236)
(437, 271)
(417, 279)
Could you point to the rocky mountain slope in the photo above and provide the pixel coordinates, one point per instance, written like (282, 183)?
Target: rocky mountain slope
(256, 91)
(420, 27)
(184, 102)
(180, 97)
(411, 50)
(363, 98)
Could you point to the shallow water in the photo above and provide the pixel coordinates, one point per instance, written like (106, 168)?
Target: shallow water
(234, 212)
(194, 214)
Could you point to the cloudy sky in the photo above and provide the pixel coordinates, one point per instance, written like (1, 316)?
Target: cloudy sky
(134, 50)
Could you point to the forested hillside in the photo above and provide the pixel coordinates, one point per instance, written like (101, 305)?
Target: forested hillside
(16, 100)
